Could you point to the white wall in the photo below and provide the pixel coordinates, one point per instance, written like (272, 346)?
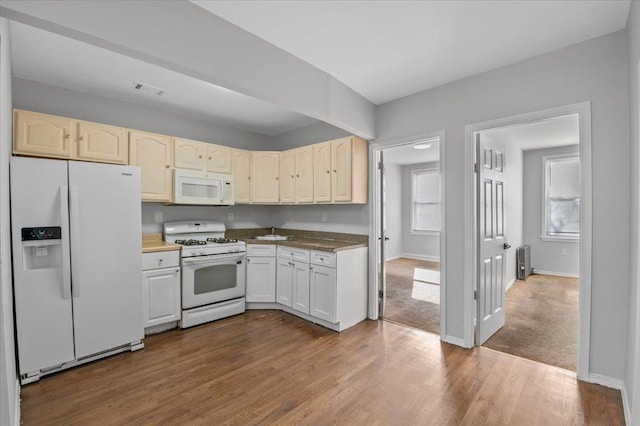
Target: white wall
(393, 210)
(426, 246)
(593, 71)
(632, 376)
(34, 96)
(545, 255)
(9, 387)
(514, 205)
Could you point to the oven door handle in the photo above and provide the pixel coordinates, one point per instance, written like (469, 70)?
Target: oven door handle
(214, 260)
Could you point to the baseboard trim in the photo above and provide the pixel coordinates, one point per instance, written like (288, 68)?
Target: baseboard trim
(610, 382)
(453, 340)
(511, 283)
(556, 274)
(393, 257)
(17, 403)
(421, 257)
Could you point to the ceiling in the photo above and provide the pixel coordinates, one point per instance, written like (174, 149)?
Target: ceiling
(49, 58)
(404, 155)
(560, 131)
(386, 50)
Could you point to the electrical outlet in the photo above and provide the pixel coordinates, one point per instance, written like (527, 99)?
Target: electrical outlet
(563, 252)
(158, 217)
(230, 217)
(324, 216)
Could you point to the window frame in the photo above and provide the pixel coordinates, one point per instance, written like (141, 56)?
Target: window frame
(414, 173)
(546, 170)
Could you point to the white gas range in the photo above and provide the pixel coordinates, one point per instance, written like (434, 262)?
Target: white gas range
(213, 271)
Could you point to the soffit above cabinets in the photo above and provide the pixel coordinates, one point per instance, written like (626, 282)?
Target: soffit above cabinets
(386, 50)
(45, 57)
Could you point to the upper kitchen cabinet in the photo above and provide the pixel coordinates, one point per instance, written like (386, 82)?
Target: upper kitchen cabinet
(44, 135)
(218, 158)
(340, 171)
(194, 155)
(241, 170)
(189, 154)
(265, 184)
(296, 175)
(154, 155)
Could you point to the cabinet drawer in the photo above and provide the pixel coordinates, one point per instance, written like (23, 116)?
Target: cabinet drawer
(293, 254)
(323, 258)
(161, 259)
(261, 250)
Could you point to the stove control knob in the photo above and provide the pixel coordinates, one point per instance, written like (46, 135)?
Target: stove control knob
(201, 252)
(193, 253)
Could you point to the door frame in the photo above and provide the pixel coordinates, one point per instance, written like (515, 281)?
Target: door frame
(374, 224)
(583, 109)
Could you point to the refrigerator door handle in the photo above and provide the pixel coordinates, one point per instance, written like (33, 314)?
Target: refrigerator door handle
(75, 238)
(64, 217)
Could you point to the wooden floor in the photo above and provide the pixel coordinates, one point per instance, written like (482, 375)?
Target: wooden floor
(272, 368)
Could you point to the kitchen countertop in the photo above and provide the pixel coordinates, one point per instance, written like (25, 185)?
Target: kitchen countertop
(303, 239)
(152, 243)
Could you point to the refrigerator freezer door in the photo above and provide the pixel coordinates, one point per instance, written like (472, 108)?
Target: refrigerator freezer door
(44, 322)
(106, 256)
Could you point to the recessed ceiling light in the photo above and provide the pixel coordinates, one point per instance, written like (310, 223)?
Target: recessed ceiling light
(422, 146)
(148, 88)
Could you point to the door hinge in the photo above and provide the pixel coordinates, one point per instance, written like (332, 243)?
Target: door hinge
(380, 165)
(380, 294)
(475, 295)
(476, 167)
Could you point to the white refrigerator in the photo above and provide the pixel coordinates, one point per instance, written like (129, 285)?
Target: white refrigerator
(76, 240)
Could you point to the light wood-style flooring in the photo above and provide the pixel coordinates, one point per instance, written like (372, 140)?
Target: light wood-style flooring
(273, 368)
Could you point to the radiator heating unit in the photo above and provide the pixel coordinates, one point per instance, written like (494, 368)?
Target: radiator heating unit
(523, 262)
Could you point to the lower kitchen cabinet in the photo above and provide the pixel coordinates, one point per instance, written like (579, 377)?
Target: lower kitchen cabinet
(161, 287)
(323, 293)
(284, 290)
(261, 279)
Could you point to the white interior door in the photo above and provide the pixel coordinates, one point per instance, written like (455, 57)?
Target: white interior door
(382, 238)
(491, 238)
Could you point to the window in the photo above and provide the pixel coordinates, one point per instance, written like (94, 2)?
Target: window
(562, 198)
(426, 201)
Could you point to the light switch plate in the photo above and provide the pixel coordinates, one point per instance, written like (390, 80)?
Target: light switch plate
(563, 252)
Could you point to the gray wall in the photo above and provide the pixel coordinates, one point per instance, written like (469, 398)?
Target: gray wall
(545, 255)
(34, 96)
(348, 218)
(393, 210)
(313, 133)
(8, 380)
(427, 246)
(595, 70)
(632, 376)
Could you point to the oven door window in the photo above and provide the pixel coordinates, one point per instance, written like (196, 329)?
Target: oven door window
(215, 278)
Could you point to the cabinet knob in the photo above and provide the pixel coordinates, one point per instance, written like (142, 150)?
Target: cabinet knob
(168, 166)
(160, 260)
(199, 156)
(67, 136)
(311, 268)
(335, 171)
(277, 178)
(249, 177)
(248, 260)
(327, 171)
(209, 158)
(297, 175)
(81, 138)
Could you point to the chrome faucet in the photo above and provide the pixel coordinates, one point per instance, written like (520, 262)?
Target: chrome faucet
(273, 230)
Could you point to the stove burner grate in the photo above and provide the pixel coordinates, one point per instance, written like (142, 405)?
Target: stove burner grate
(191, 242)
(221, 240)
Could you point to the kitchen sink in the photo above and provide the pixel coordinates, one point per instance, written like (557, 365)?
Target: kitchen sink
(274, 237)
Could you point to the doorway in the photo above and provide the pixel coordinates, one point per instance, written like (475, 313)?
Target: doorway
(408, 218)
(546, 164)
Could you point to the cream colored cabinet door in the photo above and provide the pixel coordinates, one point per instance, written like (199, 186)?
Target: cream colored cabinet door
(322, 172)
(265, 183)
(102, 143)
(241, 170)
(154, 155)
(341, 184)
(161, 290)
(288, 176)
(43, 135)
(189, 154)
(304, 174)
(218, 158)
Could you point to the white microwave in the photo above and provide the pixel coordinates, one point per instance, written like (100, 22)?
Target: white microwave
(202, 188)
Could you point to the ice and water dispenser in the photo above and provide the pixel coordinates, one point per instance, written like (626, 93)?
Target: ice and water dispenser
(42, 247)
